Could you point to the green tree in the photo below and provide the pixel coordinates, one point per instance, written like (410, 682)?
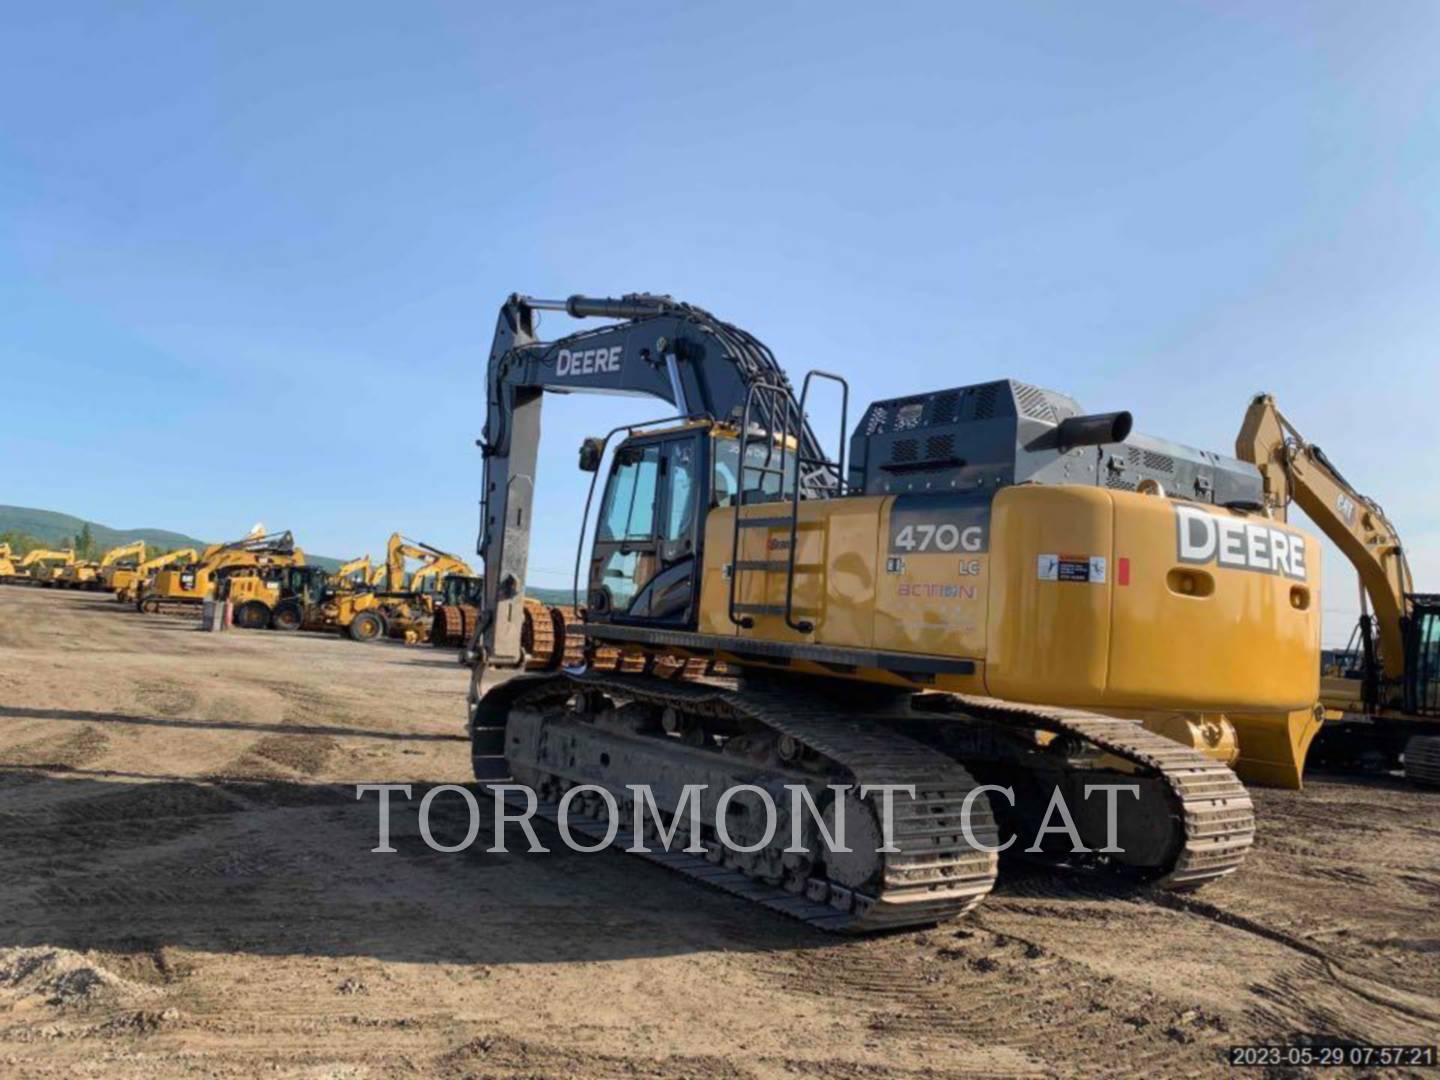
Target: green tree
(84, 542)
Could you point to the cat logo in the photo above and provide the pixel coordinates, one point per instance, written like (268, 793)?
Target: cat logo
(1346, 506)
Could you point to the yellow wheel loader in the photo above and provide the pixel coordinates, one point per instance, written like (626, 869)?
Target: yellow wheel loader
(984, 601)
(1382, 710)
(181, 590)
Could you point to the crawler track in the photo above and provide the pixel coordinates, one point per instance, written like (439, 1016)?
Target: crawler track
(1422, 760)
(1216, 811)
(1201, 807)
(935, 875)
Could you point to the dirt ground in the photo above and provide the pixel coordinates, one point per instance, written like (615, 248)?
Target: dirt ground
(187, 888)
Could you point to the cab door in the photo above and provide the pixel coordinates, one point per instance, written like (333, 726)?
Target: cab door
(644, 558)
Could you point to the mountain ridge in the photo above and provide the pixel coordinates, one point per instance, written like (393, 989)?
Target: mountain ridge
(56, 528)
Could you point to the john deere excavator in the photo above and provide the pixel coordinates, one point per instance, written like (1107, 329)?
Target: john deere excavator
(1386, 706)
(990, 587)
(183, 589)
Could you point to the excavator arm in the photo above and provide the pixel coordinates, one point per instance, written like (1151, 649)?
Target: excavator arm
(1296, 470)
(356, 570)
(658, 348)
(440, 568)
(65, 558)
(159, 562)
(433, 562)
(135, 548)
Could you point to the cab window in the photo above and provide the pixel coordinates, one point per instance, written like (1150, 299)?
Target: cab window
(629, 510)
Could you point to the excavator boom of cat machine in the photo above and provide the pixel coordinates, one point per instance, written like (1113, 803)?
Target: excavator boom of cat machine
(1382, 703)
(40, 566)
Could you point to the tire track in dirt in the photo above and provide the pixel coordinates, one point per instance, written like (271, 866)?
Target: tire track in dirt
(943, 989)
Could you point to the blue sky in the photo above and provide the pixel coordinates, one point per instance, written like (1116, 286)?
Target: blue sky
(250, 254)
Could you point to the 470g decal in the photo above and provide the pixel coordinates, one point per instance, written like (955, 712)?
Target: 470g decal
(939, 524)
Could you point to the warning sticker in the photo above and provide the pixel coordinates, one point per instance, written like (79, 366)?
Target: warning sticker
(1084, 568)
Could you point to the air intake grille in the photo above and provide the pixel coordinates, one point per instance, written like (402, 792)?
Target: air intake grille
(945, 408)
(1034, 403)
(985, 399)
(1119, 482)
(1159, 462)
(876, 421)
(905, 451)
(940, 447)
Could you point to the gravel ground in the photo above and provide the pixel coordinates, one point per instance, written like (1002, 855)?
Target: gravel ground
(187, 888)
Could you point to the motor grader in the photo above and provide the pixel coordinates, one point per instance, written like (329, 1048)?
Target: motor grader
(987, 586)
(308, 598)
(180, 590)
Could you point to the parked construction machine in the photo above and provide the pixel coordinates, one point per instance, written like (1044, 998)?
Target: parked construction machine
(38, 567)
(88, 574)
(456, 609)
(127, 581)
(1383, 710)
(990, 587)
(183, 589)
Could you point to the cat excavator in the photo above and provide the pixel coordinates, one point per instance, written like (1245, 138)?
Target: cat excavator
(1383, 710)
(988, 586)
(38, 567)
(89, 574)
(127, 582)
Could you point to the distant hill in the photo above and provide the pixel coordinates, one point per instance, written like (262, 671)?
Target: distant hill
(58, 529)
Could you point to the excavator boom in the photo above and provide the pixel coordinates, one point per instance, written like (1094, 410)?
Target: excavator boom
(660, 348)
(1387, 711)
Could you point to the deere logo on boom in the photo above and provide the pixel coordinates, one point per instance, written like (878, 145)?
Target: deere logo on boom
(589, 361)
(1203, 537)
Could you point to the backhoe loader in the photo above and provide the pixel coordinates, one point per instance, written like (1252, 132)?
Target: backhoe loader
(88, 575)
(991, 587)
(127, 582)
(38, 567)
(182, 590)
(1384, 710)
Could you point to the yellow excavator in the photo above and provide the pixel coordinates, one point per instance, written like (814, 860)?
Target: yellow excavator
(183, 589)
(990, 587)
(352, 574)
(1382, 706)
(127, 581)
(38, 567)
(89, 574)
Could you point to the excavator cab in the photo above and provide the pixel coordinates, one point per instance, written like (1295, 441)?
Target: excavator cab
(1422, 664)
(647, 537)
(459, 589)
